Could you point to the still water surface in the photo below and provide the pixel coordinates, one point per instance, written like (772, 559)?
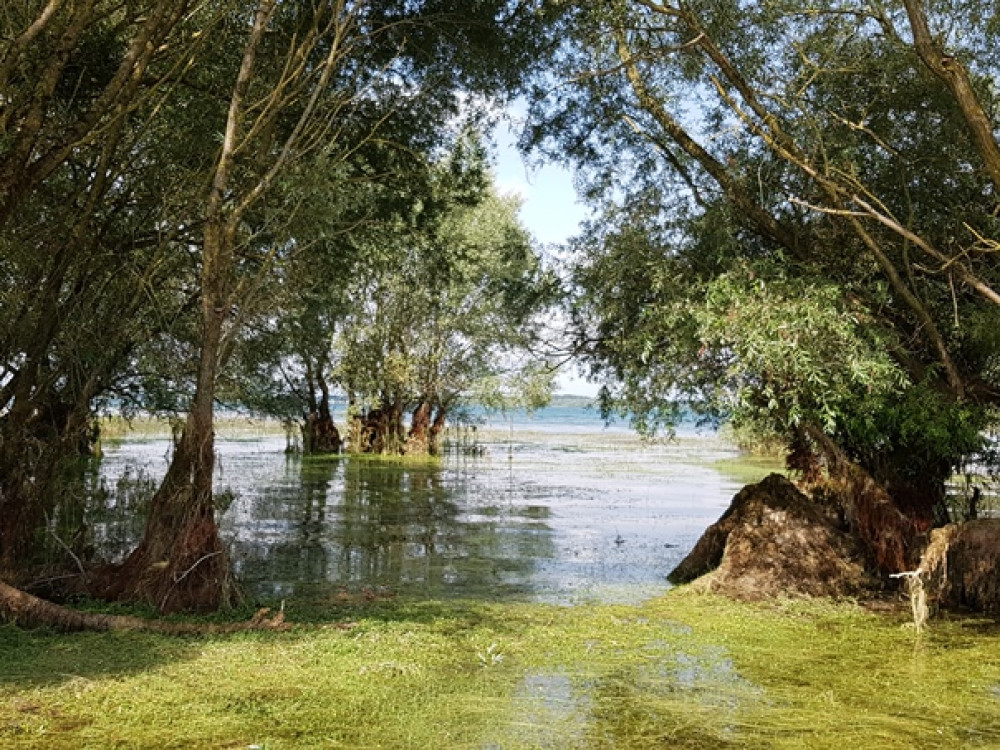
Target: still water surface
(556, 508)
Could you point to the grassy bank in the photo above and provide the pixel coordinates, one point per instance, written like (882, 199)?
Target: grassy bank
(681, 671)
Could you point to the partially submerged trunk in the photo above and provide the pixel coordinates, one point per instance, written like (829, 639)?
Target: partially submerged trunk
(36, 447)
(320, 434)
(181, 563)
(437, 426)
(379, 431)
(426, 427)
(418, 440)
(20, 518)
(849, 538)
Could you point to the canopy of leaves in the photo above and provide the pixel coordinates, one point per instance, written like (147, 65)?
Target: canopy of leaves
(799, 216)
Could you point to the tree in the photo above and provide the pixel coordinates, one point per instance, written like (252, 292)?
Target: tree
(799, 229)
(444, 306)
(454, 314)
(83, 257)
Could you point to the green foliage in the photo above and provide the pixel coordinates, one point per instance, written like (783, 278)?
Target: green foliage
(794, 351)
(116, 171)
(453, 305)
(797, 226)
(432, 299)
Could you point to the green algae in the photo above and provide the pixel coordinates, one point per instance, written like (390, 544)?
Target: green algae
(683, 670)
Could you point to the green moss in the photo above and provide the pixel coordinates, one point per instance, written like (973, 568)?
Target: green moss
(682, 671)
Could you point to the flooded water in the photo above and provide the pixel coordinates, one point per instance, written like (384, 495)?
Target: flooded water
(547, 510)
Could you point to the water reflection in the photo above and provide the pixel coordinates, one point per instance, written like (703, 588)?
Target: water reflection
(559, 518)
(358, 522)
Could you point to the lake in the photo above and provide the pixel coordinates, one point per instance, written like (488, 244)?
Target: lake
(552, 507)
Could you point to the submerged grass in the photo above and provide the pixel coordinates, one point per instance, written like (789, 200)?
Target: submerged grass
(116, 428)
(685, 670)
(747, 468)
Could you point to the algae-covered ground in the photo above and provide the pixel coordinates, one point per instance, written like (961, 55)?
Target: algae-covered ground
(684, 670)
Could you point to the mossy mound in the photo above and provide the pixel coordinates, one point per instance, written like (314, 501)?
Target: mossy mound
(773, 540)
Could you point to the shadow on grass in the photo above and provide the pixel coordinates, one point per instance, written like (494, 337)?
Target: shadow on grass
(45, 658)
(38, 658)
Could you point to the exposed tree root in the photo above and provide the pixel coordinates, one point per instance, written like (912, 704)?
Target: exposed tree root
(774, 541)
(961, 566)
(29, 611)
(891, 538)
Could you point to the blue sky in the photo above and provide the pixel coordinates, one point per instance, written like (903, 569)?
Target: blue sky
(549, 210)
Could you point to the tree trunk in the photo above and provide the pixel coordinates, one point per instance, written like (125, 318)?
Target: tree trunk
(393, 434)
(437, 426)
(418, 438)
(380, 430)
(956, 77)
(26, 610)
(33, 455)
(891, 530)
(775, 541)
(181, 563)
(320, 434)
(20, 519)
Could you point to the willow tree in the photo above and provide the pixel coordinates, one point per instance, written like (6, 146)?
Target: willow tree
(800, 230)
(428, 298)
(451, 317)
(83, 257)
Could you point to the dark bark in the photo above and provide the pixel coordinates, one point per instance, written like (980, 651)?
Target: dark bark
(380, 431)
(438, 425)
(891, 537)
(892, 530)
(181, 563)
(320, 434)
(20, 519)
(33, 455)
(419, 437)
